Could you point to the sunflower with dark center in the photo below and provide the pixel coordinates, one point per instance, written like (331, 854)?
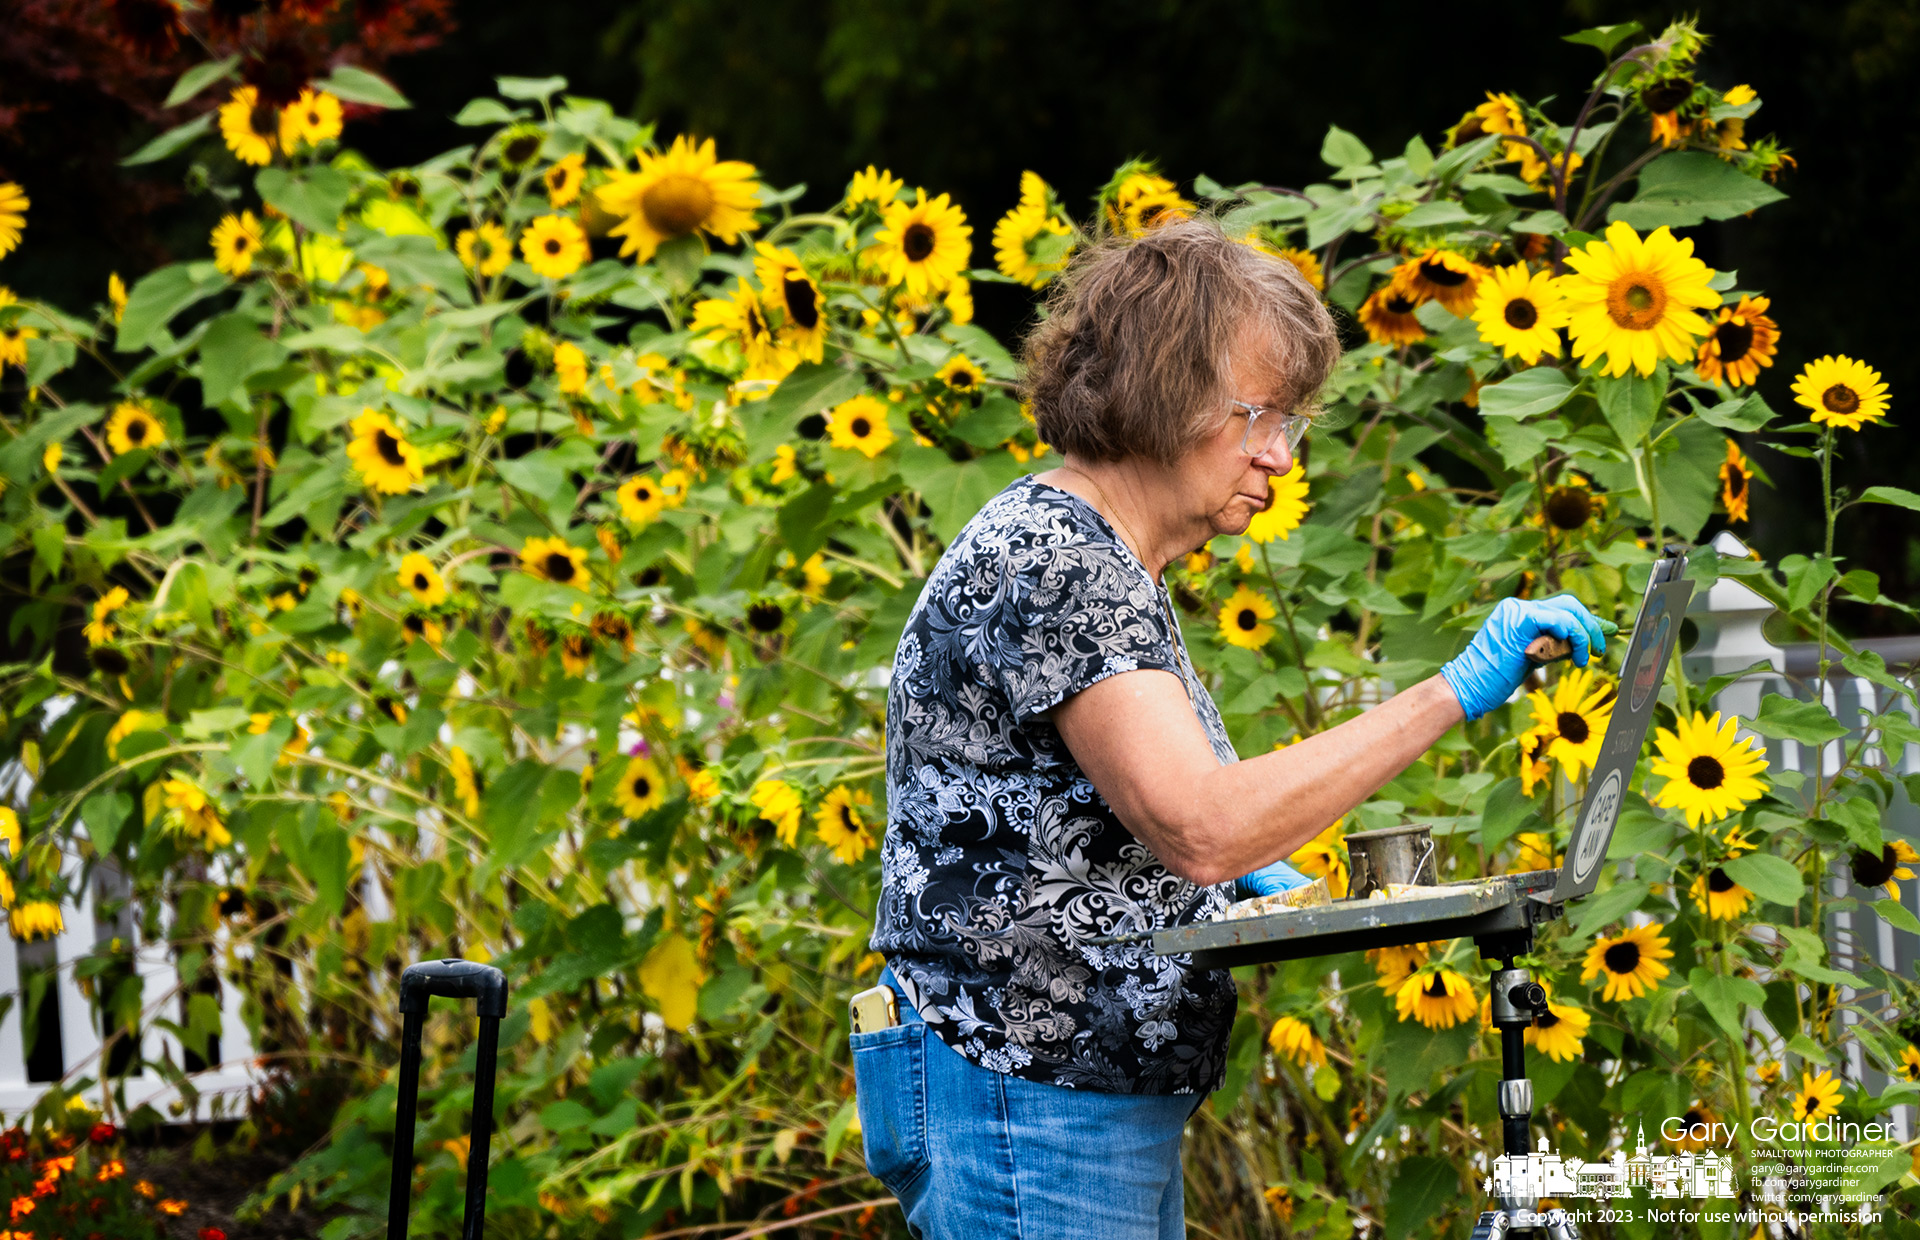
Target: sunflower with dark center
(1736, 476)
(765, 616)
(1520, 312)
(236, 239)
(1439, 999)
(1388, 316)
(924, 246)
(1742, 341)
(961, 375)
(1574, 718)
(1841, 392)
(392, 707)
(1718, 896)
(640, 788)
(109, 660)
(1635, 301)
(683, 190)
(1243, 619)
(1709, 773)
(1885, 868)
(556, 560)
(250, 126)
(1698, 1118)
(520, 146)
(386, 461)
(791, 293)
(613, 627)
(1557, 1032)
(1630, 962)
(1570, 507)
(1443, 276)
(133, 426)
(576, 653)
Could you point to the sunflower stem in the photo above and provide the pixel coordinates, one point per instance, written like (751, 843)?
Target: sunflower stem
(1826, 600)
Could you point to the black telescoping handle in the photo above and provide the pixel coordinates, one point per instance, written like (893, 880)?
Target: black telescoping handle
(455, 979)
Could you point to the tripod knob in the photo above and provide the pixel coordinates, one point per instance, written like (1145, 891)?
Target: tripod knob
(1529, 996)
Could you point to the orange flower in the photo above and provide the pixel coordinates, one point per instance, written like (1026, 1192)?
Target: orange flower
(173, 1206)
(22, 1206)
(112, 1169)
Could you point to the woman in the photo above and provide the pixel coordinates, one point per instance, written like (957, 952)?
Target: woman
(1057, 774)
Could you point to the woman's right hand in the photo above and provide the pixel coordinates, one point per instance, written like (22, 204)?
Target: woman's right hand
(1495, 663)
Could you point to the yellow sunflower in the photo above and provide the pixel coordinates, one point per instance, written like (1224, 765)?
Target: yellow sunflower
(961, 374)
(641, 788)
(1286, 506)
(1736, 478)
(421, 579)
(1307, 263)
(741, 319)
(780, 805)
(1557, 1032)
(564, 178)
(1819, 1097)
(1742, 340)
(36, 919)
(555, 559)
(1023, 241)
(576, 654)
(1718, 896)
(841, 825)
(875, 186)
(1574, 718)
(1536, 765)
(466, 781)
(100, 630)
(1630, 961)
(116, 290)
(250, 126)
(1520, 312)
(1393, 967)
(860, 424)
(570, 368)
(133, 426)
(1387, 314)
(554, 246)
(1534, 170)
(13, 216)
(640, 499)
(1325, 856)
(1243, 619)
(13, 352)
(486, 249)
(1709, 774)
(1634, 301)
(1841, 392)
(1536, 853)
(236, 239)
(313, 118)
(675, 486)
(1295, 1040)
(419, 624)
(1438, 998)
(1910, 1063)
(1451, 279)
(1501, 114)
(924, 245)
(1697, 1119)
(789, 289)
(682, 191)
(1142, 199)
(1885, 868)
(387, 462)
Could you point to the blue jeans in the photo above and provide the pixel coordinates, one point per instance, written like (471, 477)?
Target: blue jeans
(974, 1154)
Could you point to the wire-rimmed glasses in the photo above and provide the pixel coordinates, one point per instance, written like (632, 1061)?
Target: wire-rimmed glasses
(1265, 427)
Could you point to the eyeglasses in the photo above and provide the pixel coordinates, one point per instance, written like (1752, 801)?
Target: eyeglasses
(1266, 426)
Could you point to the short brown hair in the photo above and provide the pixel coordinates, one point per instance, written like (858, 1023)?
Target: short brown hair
(1132, 358)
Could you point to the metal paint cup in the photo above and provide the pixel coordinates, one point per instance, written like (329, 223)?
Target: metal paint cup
(1397, 855)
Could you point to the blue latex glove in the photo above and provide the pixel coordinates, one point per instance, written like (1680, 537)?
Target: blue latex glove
(1495, 663)
(1270, 880)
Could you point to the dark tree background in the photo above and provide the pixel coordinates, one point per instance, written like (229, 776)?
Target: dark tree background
(961, 95)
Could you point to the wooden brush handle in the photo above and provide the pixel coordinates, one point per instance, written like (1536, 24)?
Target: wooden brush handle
(1546, 648)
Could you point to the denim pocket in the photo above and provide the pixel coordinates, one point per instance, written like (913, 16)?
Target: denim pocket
(890, 1082)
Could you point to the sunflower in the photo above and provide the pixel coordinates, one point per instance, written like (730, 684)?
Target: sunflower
(875, 186)
(780, 805)
(961, 374)
(554, 246)
(678, 193)
(1718, 896)
(13, 352)
(640, 499)
(1393, 966)
(1709, 775)
(422, 580)
(1574, 718)
(789, 289)
(1634, 301)
(741, 319)
(1142, 199)
(1841, 392)
(611, 626)
(116, 291)
(924, 245)
(1387, 314)
(1307, 263)
(861, 424)
(564, 178)
(1697, 1118)
(1742, 340)
(1631, 962)
(675, 486)
(1443, 276)
(36, 919)
(1536, 765)
(313, 118)
(419, 624)
(1557, 1032)
(1023, 245)
(1295, 1039)
(486, 249)
(466, 782)
(1736, 479)
(1818, 1098)
(1910, 1063)
(640, 787)
(1243, 619)
(1502, 114)
(576, 654)
(100, 630)
(1438, 998)
(236, 239)
(387, 462)
(1520, 312)
(1885, 868)
(194, 813)
(841, 825)
(250, 125)
(815, 576)
(1286, 506)
(1536, 853)
(1325, 856)
(133, 426)
(13, 216)
(556, 560)
(1571, 505)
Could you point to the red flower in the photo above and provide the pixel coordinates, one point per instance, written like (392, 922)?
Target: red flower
(212, 1233)
(102, 1132)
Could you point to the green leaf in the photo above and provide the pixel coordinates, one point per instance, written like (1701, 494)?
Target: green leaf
(314, 199)
(416, 260)
(1806, 577)
(356, 85)
(1342, 150)
(956, 490)
(176, 139)
(1790, 719)
(1691, 187)
(106, 815)
(992, 424)
(1740, 416)
(564, 1116)
(1891, 495)
(1421, 1188)
(837, 1130)
(1897, 915)
(480, 112)
(1723, 996)
(1508, 812)
(1541, 389)
(1436, 215)
(1859, 817)
(197, 79)
(1550, 223)
(803, 524)
(1771, 878)
(1631, 404)
(530, 88)
(231, 352)
(1608, 906)
(159, 296)
(812, 388)
(1604, 37)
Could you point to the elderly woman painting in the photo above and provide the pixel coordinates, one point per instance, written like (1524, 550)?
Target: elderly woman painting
(1057, 773)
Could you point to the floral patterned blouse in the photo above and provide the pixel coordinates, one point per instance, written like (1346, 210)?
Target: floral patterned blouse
(1001, 862)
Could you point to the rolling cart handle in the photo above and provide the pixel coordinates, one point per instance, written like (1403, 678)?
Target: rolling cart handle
(453, 979)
